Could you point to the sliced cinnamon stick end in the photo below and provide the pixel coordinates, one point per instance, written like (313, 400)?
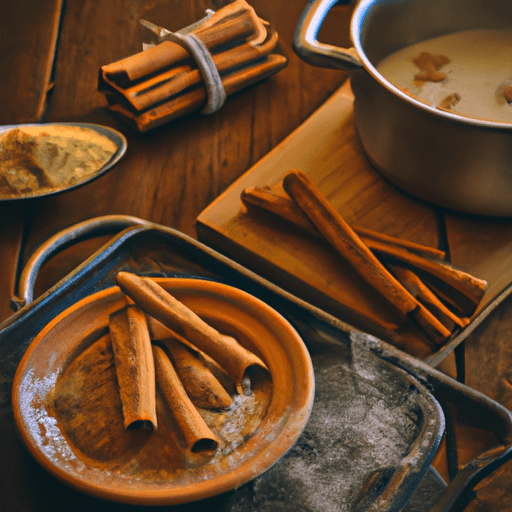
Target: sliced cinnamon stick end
(197, 436)
(201, 385)
(456, 282)
(135, 370)
(265, 199)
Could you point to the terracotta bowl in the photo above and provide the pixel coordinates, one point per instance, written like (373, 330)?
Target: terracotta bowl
(256, 325)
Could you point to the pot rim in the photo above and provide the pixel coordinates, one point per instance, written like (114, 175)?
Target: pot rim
(357, 21)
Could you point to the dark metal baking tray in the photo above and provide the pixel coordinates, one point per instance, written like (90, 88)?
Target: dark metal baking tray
(378, 417)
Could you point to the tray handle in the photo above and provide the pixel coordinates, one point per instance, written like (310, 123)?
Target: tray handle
(477, 409)
(67, 237)
(307, 46)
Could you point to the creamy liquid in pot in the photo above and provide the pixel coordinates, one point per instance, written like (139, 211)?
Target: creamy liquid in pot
(479, 72)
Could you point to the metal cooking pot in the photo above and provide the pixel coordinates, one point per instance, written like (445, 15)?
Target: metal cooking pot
(453, 161)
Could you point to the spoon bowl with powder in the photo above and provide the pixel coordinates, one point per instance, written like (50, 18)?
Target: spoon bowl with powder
(43, 159)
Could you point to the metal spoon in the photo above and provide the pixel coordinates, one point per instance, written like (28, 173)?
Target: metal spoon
(45, 159)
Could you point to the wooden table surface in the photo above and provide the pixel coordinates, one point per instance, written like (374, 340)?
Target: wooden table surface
(50, 55)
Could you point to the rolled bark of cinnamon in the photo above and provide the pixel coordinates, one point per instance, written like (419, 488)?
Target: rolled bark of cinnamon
(135, 369)
(164, 86)
(194, 99)
(288, 210)
(466, 284)
(227, 27)
(423, 293)
(158, 303)
(202, 387)
(346, 242)
(197, 435)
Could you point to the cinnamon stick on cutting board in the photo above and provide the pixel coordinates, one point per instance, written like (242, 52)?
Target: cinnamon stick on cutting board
(158, 303)
(135, 369)
(391, 250)
(197, 435)
(423, 293)
(287, 209)
(347, 243)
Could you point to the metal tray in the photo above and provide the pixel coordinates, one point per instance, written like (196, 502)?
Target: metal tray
(378, 416)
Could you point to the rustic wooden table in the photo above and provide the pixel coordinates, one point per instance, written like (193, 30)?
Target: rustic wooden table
(50, 56)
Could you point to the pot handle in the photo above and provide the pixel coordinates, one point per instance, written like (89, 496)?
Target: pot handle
(82, 231)
(308, 48)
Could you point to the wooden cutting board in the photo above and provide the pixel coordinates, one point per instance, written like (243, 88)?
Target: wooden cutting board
(326, 148)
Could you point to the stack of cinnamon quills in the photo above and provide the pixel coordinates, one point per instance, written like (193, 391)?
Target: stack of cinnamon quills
(164, 82)
(175, 365)
(424, 289)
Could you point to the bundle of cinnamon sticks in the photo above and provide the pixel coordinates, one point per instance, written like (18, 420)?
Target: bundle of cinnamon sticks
(424, 289)
(173, 366)
(166, 81)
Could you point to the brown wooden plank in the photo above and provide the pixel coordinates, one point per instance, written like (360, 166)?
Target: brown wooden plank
(28, 39)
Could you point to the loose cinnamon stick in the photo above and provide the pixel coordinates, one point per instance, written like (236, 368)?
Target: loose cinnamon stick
(278, 205)
(134, 367)
(344, 240)
(399, 251)
(369, 236)
(167, 53)
(199, 382)
(158, 303)
(288, 210)
(419, 290)
(194, 99)
(197, 435)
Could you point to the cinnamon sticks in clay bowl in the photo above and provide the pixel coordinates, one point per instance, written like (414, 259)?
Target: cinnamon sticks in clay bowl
(162, 391)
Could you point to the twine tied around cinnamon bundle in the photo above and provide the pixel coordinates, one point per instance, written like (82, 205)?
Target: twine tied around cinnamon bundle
(193, 69)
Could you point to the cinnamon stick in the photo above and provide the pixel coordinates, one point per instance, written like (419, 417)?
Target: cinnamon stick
(213, 34)
(466, 284)
(235, 359)
(194, 99)
(197, 435)
(135, 370)
(232, 11)
(347, 243)
(419, 290)
(176, 80)
(199, 382)
(288, 210)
